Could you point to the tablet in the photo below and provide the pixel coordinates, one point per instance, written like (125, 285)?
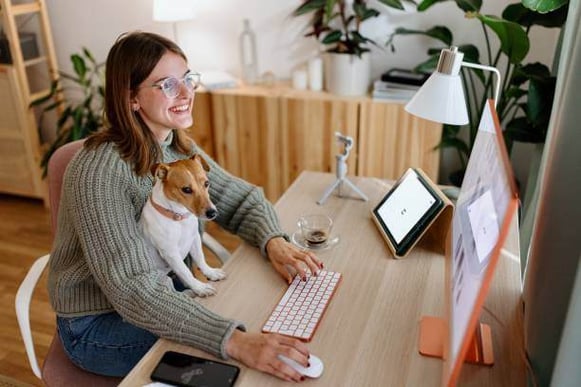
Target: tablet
(406, 211)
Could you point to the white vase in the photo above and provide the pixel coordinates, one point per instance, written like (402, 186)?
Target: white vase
(347, 74)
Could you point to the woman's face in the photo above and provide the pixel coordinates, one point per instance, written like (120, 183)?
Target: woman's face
(162, 113)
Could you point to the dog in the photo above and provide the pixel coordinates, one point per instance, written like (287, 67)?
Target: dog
(169, 220)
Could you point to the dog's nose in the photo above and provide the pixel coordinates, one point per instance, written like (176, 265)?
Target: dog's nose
(211, 213)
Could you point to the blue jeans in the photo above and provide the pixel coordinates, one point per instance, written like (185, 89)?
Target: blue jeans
(104, 344)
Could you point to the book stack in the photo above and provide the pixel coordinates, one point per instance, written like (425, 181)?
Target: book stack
(398, 85)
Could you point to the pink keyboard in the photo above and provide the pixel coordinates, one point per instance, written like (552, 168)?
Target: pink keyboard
(300, 310)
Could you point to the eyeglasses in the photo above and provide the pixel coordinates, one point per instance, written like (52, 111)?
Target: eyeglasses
(171, 86)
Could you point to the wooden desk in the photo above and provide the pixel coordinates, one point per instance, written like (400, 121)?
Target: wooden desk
(369, 334)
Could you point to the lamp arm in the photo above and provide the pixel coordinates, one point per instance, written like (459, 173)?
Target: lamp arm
(488, 68)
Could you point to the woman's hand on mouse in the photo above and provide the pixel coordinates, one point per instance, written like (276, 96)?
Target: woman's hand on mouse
(260, 351)
(282, 254)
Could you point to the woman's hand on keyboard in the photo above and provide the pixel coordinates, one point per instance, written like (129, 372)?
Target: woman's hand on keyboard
(282, 254)
(260, 351)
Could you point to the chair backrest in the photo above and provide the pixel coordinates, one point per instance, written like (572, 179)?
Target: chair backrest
(57, 369)
(57, 164)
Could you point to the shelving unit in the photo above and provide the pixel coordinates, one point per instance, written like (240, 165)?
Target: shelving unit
(22, 81)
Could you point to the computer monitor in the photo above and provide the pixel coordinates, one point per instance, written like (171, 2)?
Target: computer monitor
(484, 210)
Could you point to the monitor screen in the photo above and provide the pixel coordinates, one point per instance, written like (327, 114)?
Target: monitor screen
(484, 211)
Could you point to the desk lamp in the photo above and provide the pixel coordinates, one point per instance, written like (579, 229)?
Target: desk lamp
(441, 98)
(173, 11)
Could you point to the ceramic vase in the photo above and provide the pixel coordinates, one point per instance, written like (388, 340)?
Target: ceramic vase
(346, 74)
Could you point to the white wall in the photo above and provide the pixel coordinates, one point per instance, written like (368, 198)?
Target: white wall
(211, 40)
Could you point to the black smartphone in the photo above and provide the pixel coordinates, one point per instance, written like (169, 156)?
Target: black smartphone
(190, 371)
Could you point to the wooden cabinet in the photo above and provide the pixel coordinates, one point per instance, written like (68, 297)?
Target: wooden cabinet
(20, 160)
(268, 135)
(391, 140)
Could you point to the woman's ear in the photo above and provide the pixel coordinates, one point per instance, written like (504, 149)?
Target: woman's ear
(134, 104)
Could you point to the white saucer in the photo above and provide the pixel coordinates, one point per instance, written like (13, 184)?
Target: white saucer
(298, 240)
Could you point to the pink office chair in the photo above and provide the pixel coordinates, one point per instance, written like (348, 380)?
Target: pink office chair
(57, 369)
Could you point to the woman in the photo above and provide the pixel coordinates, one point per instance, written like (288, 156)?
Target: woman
(111, 303)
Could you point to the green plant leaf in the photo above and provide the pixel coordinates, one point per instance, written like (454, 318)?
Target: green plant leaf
(440, 33)
(540, 100)
(397, 4)
(514, 93)
(544, 6)
(469, 5)
(309, 6)
(428, 65)
(89, 56)
(425, 4)
(522, 130)
(79, 65)
(332, 37)
(519, 14)
(329, 5)
(514, 41)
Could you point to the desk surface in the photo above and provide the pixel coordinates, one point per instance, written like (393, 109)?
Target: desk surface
(369, 333)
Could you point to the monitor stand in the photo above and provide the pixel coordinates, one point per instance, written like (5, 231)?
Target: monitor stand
(433, 332)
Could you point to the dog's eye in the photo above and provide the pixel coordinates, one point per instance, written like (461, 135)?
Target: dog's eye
(187, 190)
(206, 184)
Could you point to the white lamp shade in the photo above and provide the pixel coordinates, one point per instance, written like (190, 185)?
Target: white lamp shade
(440, 99)
(173, 10)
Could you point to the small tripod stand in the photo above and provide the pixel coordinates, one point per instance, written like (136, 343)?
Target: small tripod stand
(342, 171)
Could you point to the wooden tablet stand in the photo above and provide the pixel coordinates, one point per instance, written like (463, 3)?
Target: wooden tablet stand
(435, 234)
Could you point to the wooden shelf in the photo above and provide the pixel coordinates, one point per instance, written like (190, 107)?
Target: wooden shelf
(20, 145)
(26, 8)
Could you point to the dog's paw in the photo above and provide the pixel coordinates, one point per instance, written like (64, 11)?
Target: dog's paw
(215, 274)
(204, 290)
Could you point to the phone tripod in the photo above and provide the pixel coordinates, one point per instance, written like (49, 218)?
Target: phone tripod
(342, 172)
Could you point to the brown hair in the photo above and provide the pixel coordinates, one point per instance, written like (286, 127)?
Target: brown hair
(130, 61)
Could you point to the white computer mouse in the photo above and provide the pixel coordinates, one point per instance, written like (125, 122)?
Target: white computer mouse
(313, 371)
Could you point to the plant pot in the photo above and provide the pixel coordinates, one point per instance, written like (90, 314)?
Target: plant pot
(347, 74)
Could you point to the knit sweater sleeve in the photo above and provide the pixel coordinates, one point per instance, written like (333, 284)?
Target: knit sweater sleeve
(104, 207)
(242, 207)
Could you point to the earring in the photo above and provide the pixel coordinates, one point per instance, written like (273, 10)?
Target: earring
(135, 108)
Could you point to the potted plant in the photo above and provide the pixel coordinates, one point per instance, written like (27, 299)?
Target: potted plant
(527, 90)
(336, 24)
(81, 112)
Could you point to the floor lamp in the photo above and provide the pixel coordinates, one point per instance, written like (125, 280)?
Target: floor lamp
(173, 11)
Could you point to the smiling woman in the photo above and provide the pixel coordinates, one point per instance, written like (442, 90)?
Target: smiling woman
(111, 299)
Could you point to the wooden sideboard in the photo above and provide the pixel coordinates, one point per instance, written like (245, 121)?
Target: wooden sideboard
(268, 135)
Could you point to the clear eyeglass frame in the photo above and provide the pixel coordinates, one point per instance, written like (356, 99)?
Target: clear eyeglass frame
(171, 86)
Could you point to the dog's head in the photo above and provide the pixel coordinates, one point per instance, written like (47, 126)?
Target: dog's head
(186, 182)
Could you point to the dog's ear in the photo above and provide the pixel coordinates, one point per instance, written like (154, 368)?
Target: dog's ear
(202, 161)
(159, 171)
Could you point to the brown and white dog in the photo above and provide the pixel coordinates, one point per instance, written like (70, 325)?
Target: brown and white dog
(169, 220)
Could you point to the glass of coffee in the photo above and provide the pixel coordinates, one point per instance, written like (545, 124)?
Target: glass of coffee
(315, 229)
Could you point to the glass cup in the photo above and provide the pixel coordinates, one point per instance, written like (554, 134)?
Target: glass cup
(315, 229)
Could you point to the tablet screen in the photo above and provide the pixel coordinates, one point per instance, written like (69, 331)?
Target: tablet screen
(406, 206)
(406, 209)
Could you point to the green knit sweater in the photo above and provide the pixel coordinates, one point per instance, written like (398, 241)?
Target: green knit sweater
(99, 261)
